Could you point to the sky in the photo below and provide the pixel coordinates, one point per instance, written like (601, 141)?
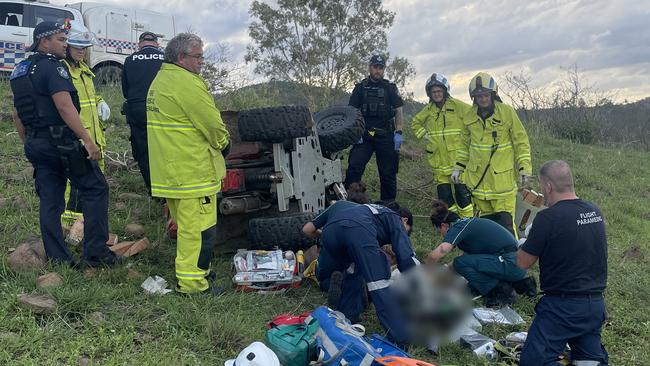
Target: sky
(609, 41)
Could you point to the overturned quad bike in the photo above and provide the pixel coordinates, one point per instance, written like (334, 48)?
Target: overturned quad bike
(284, 167)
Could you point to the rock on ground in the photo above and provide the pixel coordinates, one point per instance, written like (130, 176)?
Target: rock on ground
(48, 280)
(27, 256)
(134, 230)
(39, 304)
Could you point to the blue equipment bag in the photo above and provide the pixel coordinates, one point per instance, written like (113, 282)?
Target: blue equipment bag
(342, 343)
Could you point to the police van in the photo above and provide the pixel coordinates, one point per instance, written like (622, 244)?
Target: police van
(116, 28)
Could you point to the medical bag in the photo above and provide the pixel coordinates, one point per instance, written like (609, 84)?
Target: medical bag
(294, 344)
(265, 270)
(343, 343)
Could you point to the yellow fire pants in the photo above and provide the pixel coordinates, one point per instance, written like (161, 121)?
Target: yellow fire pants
(197, 234)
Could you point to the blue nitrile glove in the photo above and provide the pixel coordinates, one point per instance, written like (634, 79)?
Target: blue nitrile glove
(397, 140)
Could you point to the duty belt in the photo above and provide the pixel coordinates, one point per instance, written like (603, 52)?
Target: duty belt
(38, 133)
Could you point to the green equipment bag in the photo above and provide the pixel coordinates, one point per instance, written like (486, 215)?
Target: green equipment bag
(295, 345)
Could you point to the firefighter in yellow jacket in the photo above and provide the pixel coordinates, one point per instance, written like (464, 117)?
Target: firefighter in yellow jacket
(187, 142)
(94, 109)
(494, 153)
(440, 122)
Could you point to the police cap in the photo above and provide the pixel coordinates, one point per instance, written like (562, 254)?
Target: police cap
(148, 36)
(377, 60)
(45, 29)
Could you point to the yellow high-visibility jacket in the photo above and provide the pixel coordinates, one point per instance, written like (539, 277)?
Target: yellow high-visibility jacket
(185, 136)
(441, 127)
(503, 137)
(82, 79)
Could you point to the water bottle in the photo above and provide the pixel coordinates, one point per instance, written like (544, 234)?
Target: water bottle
(301, 261)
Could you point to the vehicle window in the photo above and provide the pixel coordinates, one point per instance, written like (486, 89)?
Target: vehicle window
(42, 13)
(11, 14)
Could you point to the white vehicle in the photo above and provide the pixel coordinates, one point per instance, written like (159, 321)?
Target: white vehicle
(117, 30)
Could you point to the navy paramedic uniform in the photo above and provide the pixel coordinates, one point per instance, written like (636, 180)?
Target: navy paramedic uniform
(377, 101)
(569, 239)
(139, 70)
(326, 263)
(55, 152)
(490, 253)
(354, 237)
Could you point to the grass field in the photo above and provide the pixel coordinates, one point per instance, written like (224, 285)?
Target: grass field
(108, 320)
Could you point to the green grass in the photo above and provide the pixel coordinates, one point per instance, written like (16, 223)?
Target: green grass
(175, 330)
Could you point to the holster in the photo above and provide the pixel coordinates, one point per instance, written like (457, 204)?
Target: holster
(73, 155)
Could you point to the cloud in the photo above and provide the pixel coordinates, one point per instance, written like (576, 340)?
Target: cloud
(607, 40)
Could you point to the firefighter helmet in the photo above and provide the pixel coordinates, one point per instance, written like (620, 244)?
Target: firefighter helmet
(439, 80)
(482, 83)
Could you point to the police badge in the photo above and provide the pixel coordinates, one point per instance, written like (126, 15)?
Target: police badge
(63, 72)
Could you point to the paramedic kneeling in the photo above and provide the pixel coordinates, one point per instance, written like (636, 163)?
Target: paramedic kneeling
(569, 240)
(353, 237)
(488, 262)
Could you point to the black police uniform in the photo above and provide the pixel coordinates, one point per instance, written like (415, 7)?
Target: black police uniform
(377, 101)
(569, 239)
(56, 154)
(137, 74)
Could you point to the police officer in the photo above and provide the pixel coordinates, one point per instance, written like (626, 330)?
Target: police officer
(381, 106)
(440, 123)
(353, 238)
(570, 242)
(46, 114)
(137, 74)
(494, 153)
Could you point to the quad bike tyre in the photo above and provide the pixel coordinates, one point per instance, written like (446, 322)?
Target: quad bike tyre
(284, 232)
(274, 124)
(338, 128)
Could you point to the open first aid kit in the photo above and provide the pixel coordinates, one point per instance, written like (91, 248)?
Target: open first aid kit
(265, 270)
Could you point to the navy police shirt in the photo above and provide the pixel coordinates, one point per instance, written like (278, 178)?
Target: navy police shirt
(51, 76)
(394, 100)
(569, 239)
(140, 68)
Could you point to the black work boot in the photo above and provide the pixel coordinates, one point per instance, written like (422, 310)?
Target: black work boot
(109, 260)
(502, 294)
(334, 291)
(212, 290)
(365, 296)
(211, 276)
(526, 286)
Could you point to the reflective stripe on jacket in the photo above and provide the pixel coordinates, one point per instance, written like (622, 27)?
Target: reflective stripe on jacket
(185, 136)
(441, 127)
(504, 133)
(82, 79)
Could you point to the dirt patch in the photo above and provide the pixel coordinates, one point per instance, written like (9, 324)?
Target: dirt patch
(646, 216)
(634, 253)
